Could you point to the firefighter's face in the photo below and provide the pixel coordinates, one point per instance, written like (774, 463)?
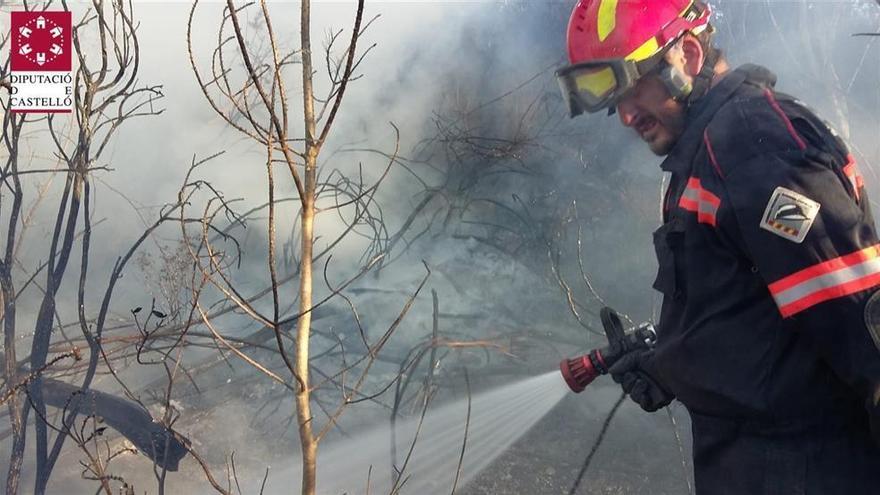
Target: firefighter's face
(650, 110)
(653, 114)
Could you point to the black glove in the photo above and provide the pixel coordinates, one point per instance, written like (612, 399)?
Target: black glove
(630, 371)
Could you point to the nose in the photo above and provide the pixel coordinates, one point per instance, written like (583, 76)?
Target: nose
(627, 112)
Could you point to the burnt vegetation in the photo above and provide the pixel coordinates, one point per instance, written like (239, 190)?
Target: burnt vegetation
(119, 349)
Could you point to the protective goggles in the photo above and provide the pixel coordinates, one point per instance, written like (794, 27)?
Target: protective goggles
(596, 85)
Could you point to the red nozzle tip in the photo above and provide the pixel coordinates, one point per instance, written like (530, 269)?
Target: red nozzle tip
(578, 372)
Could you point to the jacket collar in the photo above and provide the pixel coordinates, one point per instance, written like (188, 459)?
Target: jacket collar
(700, 113)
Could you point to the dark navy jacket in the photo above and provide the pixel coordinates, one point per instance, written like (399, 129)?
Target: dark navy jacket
(767, 257)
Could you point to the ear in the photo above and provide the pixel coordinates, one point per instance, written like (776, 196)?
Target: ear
(692, 55)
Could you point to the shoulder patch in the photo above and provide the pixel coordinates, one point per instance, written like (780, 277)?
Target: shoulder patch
(789, 214)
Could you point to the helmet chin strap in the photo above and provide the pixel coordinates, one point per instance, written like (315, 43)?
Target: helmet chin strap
(689, 92)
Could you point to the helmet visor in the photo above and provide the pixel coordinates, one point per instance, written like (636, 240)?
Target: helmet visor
(597, 85)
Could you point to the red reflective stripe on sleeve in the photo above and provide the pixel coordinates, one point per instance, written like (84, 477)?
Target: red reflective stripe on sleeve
(703, 215)
(827, 280)
(830, 293)
(689, 204)
(700, 201)
(710, 198)
(707, 215)
(824, 268)
(788, 125)
(707, 218)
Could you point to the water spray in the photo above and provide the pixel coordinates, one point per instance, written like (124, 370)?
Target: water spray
(581, 371)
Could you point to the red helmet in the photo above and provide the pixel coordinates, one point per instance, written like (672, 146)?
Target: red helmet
(612, 43)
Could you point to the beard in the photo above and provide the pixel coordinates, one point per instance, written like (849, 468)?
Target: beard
(670, 124)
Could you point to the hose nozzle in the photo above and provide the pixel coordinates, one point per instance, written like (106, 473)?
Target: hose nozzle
(580, 371)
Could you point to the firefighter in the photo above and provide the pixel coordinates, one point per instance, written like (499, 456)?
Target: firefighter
(769, 261)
